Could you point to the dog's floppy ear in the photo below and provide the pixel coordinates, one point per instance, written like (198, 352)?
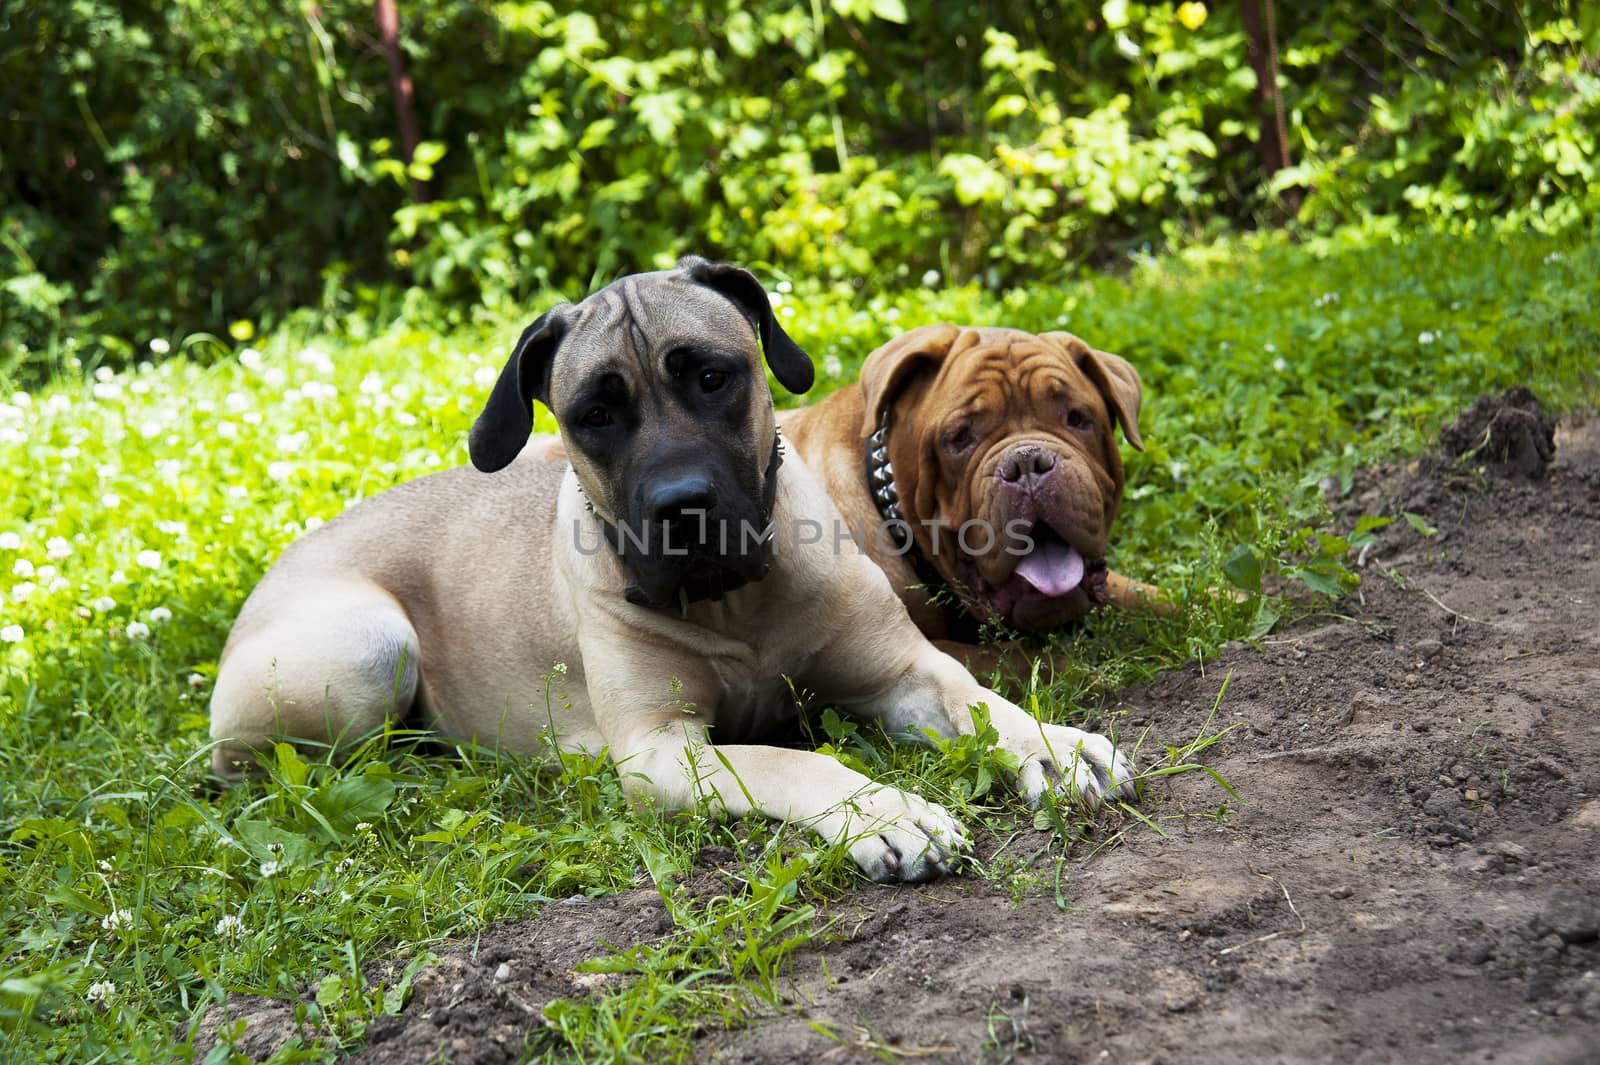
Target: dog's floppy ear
(888, 369)
(1116, 379)
(507, 419)
(791, 366)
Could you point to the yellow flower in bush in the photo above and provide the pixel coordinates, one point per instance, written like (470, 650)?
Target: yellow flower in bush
(1192, 15)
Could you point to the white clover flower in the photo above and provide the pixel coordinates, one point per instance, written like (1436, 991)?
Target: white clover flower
(138, 630)
(160, 615)
(107, 390)
(930, 279)
(290, 443)
(140, 388)
(197, 680)
(22, 568)
(57, 548)
(22, 590)
(68, 453)
(251, 417)
(406, 419)
(10, 541)
(12, 634)
(1280, 364)
(236, 402)
(775, 298)
(892, 314)
(105, 604)
(9, 413)
(60, 583)
(270, 869)
(111, 501)
(46, 573)
(22, 399)
(118, 577)
(100, 993)
(169, 468)
(116, 920)
(1426, 337)
(150, 429)
(227, 430)
(313, 523)
(148, 559)
(250, 359)
(483, 377)
(785, 287)
(59, 403)
(1269, 347)
(317, 359)
(238, 491)
(159, 345)
(279, 471)
(318, 390)
(230, 928)
(275, 376)
(104, 374)
(172, 528)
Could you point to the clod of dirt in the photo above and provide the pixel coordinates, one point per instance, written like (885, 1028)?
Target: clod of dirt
(1510, 434)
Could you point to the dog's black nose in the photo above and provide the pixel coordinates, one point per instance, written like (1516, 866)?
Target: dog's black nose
(671, 498)
(1025, 460)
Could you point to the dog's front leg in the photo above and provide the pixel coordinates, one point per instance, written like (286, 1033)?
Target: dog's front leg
(893, 675)
(665, 754)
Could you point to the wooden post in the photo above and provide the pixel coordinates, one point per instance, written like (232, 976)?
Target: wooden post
(1261, 26)
(405, 111)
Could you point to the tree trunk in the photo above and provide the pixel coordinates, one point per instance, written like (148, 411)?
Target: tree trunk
(1261, 26)
(405, 111)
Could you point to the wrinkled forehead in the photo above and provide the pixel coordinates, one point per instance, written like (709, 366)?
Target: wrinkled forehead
(632, 325)
(1009, 363)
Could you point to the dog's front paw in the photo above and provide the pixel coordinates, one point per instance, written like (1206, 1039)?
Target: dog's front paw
(1081, 767)
(898, 835)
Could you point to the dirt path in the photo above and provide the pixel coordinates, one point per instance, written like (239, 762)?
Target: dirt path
(1413, 875)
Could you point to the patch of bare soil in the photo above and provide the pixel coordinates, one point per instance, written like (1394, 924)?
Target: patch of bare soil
(1412, 875)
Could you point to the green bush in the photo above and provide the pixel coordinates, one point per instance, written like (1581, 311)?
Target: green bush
(167, 168)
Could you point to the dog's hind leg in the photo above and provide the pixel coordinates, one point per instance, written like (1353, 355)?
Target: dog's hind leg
(323, 664)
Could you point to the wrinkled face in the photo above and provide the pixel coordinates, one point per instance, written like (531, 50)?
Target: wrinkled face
(1015, 439)
(664, 409)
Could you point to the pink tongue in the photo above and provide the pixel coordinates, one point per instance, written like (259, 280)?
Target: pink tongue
(1052, 567)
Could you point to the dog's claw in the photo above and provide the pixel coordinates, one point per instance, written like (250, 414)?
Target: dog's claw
(1082, 767)
(899, 836)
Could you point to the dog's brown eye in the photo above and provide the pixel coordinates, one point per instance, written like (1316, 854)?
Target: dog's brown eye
(596, 418)
(958, 439)
(1076, 419)
(712, 380)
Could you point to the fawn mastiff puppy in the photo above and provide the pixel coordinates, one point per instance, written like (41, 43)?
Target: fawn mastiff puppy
(988, 458)
(660, 589)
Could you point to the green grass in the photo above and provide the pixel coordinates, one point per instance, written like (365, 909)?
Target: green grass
(140, 509)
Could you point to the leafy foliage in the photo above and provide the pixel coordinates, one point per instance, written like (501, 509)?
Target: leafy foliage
(176, 167)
